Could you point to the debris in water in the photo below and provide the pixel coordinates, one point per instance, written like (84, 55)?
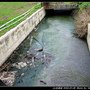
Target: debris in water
(2, 83)
(20, 65)
(34, 55)
(31, 40)
(39, 55)
(20, 81)
(40, 50)
(27, 62)
(8, 77)
(22, 74)
(30, 64)
(33, 62)
(43, 82)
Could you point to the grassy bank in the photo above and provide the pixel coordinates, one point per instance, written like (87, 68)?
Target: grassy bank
(10, 10)
(83, 5)
(82, 18)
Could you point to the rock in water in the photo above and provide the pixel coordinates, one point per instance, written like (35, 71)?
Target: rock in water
(20, 65)
(8, 78)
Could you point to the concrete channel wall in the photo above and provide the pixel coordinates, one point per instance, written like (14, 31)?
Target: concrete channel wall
(88, 36)
(59, 6)
(13, 38)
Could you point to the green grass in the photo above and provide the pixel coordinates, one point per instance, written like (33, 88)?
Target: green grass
(83, 5)
(10, 10)
(69, 2)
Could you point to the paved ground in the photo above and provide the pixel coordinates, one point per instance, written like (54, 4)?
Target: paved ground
(71, 63)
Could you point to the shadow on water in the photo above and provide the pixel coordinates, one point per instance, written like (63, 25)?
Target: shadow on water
(52, 12)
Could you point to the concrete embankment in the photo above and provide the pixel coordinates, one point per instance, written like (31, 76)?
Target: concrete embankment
(88, 36)
(13, 38)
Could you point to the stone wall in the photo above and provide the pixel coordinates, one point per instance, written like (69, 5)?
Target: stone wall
(60, 6)
(13, 38)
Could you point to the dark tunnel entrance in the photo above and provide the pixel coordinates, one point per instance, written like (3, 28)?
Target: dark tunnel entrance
(52, 12)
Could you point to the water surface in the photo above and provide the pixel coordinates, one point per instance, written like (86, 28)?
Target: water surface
(70, 65)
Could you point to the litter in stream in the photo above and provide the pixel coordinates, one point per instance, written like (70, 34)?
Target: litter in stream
(8, 78)
(29, 60)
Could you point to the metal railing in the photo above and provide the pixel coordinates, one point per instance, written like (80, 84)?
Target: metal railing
(18, 18)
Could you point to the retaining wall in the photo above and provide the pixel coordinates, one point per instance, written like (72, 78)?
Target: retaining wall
(13, 38)
(88, 36)
(59, 6)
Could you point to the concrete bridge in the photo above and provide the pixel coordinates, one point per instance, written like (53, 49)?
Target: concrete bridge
(59, 6)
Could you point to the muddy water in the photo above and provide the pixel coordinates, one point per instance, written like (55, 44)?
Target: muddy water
(69, 64)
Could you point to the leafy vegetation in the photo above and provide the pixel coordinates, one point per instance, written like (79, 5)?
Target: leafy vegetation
(81, 18)
(83, 5)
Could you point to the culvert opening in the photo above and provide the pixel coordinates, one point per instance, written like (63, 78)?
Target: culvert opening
(52, 12)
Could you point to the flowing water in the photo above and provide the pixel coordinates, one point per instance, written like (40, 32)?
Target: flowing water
(64, 60)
